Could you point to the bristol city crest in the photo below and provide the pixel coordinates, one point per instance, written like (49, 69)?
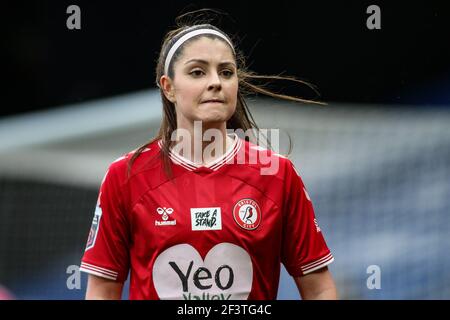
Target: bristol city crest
(247, 214)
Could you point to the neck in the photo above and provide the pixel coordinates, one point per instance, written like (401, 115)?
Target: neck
(202, 143)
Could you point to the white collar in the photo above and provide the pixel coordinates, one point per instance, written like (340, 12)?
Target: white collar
(214, 165)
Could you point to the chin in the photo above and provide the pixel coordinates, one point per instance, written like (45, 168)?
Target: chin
(213, 121)
(216, 117)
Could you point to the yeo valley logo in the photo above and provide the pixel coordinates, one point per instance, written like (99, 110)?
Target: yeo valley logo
(226, 273)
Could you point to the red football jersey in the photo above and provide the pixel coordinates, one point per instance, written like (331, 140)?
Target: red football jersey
(215, 232)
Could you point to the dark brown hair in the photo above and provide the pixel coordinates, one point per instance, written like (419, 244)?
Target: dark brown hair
(241, 119)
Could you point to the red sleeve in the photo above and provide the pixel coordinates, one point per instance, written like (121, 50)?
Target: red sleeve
(106, 254)
(304, 247)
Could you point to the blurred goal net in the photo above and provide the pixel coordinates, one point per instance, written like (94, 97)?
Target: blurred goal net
(378, 176)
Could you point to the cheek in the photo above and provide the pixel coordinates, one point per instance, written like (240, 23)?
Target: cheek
(189, 92)
(188, 95)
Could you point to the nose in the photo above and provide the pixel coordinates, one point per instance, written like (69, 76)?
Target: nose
(214, 82)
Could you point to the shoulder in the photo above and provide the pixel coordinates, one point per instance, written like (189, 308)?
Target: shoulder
(268, 162)
(131, 164)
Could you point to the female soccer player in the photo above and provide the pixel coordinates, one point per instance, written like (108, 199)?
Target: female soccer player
(195, 213)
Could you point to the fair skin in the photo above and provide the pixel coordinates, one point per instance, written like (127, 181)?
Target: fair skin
(204, 88)
(318, 285)
(99, 288)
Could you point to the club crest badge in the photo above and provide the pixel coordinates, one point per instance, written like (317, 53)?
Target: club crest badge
(247, 214)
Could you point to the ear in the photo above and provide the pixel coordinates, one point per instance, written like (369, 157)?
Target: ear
(166, 85)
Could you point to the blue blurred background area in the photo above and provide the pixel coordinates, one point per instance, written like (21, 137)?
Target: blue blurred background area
(375, 159)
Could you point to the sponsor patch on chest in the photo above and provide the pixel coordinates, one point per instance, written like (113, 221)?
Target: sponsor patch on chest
(203, 219)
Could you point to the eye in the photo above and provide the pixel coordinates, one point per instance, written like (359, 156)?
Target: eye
(196, 73)
(227, 73)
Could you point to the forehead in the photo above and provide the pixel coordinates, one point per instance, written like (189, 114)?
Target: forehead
(208, 49)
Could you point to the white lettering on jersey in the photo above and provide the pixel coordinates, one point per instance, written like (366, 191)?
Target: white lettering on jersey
(226, 273)
(317, 225)
(206, 219)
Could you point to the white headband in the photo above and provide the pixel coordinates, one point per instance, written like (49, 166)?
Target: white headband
(188, 36)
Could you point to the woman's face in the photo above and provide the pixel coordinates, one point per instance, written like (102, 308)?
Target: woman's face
(205, 83)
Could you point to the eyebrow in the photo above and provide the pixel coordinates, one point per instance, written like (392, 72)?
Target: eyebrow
(206, 62)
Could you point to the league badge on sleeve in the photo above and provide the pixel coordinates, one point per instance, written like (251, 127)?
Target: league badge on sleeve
(94, 228)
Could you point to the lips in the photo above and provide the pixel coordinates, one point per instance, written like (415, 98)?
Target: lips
(213, 101)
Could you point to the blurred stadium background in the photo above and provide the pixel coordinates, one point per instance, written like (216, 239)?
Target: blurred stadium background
(375, 160)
